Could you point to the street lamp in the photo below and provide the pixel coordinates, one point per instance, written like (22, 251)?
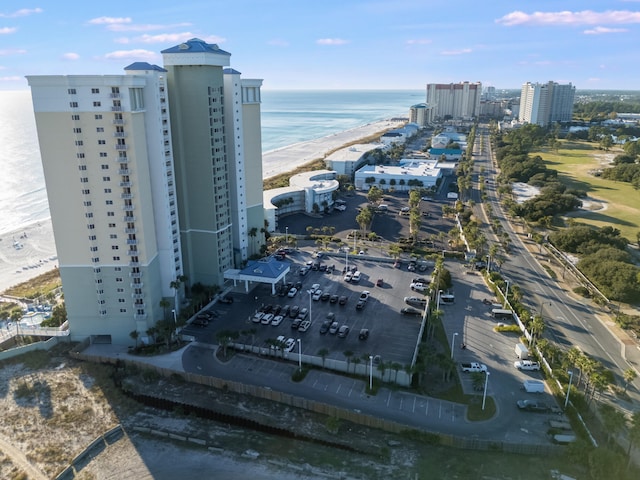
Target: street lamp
(484, 395)
(299, 354)
(566, 400)
(438, 299)
(286, 235)
(175, 320)
(370, 372)
(506, 294)
(453, 340)
(310, 293)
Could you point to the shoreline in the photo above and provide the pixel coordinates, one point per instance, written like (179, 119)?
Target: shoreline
(30, 251)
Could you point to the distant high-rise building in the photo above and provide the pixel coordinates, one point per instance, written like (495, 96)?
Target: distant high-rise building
(546, 103)
(152, 177)
(421, 114)
(454, 100)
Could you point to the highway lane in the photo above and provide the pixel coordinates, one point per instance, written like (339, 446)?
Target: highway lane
(568, 321)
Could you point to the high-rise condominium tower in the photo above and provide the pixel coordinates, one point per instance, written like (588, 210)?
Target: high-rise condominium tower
(454, 100)
(546, 103)
(147, 181)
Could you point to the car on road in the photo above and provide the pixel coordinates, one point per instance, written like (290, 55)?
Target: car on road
(343, 300)
(333, 328)
(360, 305)
(292, 293)
(304, 325)
(411, 311)
(325, 296)
(526, 365)
(364, 334)
(419, 287)
(333, 299)
(200, 322)
(228, 299)
(324, 328)
(277, 320)
(289, 345)
(331, 316)
(365, 295)
(343, 331)
(316, 295)
(535, 406)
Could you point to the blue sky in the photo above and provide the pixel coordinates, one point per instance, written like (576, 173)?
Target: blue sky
(336, 44)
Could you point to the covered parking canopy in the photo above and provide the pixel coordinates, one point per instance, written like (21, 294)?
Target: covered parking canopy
(265, 270)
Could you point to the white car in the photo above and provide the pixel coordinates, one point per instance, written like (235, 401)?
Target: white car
(292, 292)
(289, 345)
(317, 294)
(304, 325)
(277, 320)
(419, 287)
(314, 287)
(356, 276)
(364, 296)
(266, 320)
(348, 276)
(340, 208)
(278, 343)
(526, 365)
(257, 317)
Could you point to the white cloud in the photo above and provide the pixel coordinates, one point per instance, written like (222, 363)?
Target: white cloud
(70, 56)
(331, 41)
(145, 27)
(461, 51)
(602, 30)
(12, 51)
(8, 30)
(136, 54)
(277, 42)
(585, 17)
(23, 12)
(419, 41)
(109, 20)
(176, 38)
(11, 79)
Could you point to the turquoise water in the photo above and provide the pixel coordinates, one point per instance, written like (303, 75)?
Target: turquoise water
(288, 117)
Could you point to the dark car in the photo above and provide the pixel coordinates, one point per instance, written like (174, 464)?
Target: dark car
(296, 323)
(364, 334)
(285, 310)
(333, 299)
(268, 308)
(343, 300)
(411, 311)
(324, 328)
(360, 305)
(325, 296)
(293, 312)
(228, 299)
(200, 322)
(298, 285)
(535, 406)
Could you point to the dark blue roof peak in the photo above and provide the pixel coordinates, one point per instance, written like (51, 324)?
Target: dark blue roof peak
(196, 45)
(144, 66)
(231, 71)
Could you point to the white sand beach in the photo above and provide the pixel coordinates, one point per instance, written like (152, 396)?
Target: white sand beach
(287, 158)
(26, 253)
(29, 252)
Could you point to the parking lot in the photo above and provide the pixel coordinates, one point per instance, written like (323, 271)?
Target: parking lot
(392, 335)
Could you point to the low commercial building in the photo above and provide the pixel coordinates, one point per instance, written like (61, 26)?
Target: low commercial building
(309, 192)
(347, 160)
(409, 174)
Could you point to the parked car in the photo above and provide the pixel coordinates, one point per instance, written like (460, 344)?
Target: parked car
(200, 322)
(296, 323)
(277, 320)
(266, 319)
(303, 271)
(325, 296)
(364, 334)
(304, 325)
(420, 302)
(348, 277)
(411, 267)
(289, 345)
(343, 331)
(526, 365)
(333, 328)
(315, 287)
(411, 311)
(228, 299)
(279, 343)
(419, 287)
(292, 293)
(331, 316)
(426, 281)
(257, 317)
(533, 406)
(380, 282)
(360, 305)
(285, 310)
(317, 294)
(293, 311)
(365, 295)
(356, 276)
(303, 313)
(324, 328)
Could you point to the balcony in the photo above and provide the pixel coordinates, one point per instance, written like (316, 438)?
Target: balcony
(122, 147)
(130, 218)
(119, 121)
(126, 196)
(133, 253)
(128, 208)
(140, 316)
(124, 171)
(115, 95)
(135, 274)
(134, 264)
(130, 230)
(132, 242)
(119, 134)
(125, 184)
(136, 285)
(137, 296)
(116, 109)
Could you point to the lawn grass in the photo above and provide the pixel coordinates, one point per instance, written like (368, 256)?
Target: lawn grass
(574, 161)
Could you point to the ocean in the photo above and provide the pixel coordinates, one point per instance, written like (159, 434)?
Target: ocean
(288, 117)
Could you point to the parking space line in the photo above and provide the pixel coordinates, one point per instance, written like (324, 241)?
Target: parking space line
(413, 410)
(389, 399)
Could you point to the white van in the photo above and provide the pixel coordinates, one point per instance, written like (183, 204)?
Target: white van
(533, 386)
(522, 352)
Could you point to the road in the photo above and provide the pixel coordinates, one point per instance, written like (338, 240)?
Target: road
(568, 321)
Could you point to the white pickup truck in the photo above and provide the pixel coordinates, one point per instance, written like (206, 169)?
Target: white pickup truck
(474, 367)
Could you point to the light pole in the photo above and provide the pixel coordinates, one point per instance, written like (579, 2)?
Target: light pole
(486, 382)
(566, 400)
(370, 372)
(175, 320)
(506, 294)
(286, 235)
(438, 300)
(453, 340)
(310, 293)
(299, 354)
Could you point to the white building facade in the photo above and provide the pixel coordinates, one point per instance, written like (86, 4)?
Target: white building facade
(542, 104)
(455, 100)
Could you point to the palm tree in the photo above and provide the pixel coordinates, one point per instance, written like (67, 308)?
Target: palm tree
(348, 354)
(322, 353)
(395, 366)
(536, 327)
(253, 233)
(164, 304)
(134, 335)
(634, 434)
(356, 361)
(629, 375)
